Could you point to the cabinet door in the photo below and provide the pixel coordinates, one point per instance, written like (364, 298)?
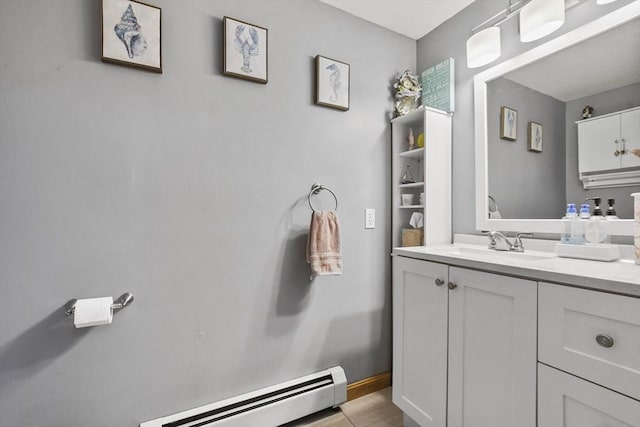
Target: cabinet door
(591, 334)
(492, 350)
(420, 340)
(568, 401)
(596, 144)
(630, 132)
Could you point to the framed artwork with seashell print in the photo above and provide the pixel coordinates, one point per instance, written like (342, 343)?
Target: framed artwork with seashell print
(332, 83)
(131, 34)
(508, 124)
(245, 50)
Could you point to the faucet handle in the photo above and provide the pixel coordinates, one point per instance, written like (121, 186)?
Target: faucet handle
(517, 242)
(492, 238)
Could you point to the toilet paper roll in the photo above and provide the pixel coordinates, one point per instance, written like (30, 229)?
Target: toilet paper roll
(93, 312)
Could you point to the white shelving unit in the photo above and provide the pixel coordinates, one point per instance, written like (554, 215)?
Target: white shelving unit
(431, 169)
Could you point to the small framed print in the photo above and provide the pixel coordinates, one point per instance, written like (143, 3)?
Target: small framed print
(131, 34)
(534, 133)
(508, 124)
(332, 83)
(245, 50)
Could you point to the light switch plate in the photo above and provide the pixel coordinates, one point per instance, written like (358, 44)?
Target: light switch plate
(369, 218)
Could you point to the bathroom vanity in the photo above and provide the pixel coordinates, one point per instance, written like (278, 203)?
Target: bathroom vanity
(483, 337)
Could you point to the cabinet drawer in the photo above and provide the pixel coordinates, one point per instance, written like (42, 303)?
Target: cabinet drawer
(568, 401)
(591, 334)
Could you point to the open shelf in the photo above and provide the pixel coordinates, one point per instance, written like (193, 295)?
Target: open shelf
(412, 185)
(431, 165)
(416, 153)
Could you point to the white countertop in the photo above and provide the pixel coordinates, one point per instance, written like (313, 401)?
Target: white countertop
(538, 263)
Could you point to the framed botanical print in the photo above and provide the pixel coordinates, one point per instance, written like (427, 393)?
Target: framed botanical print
(508, 124)
(131, 34)
(332, 83)
(245, 50)
(534, 133)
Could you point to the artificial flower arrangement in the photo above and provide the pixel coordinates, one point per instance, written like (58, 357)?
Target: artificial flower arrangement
(408, 89)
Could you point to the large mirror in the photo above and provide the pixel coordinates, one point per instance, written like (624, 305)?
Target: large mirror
(597, 64)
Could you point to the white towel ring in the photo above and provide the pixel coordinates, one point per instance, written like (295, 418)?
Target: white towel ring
(315, 189)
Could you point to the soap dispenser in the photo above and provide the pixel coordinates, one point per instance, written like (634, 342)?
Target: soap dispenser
(611, 212)
(596, 230)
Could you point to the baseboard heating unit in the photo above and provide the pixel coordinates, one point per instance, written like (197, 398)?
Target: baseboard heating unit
(268, 407)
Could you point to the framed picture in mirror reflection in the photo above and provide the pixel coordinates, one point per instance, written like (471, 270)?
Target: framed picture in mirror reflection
(508, 123)
(534, 132)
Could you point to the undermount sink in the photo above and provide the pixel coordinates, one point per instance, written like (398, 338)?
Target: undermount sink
(486, 253)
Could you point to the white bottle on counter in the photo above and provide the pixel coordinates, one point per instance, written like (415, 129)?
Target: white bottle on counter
(571, 227)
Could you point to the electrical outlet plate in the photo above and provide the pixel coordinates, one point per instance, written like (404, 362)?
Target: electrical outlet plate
(369, 218)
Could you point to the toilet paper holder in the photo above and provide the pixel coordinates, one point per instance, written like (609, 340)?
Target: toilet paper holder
(124, 300)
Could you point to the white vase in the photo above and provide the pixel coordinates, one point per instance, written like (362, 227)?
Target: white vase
(636, 216)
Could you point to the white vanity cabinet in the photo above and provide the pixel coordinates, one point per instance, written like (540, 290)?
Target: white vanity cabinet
(420, 318)
(594, 336)
(605, 144)
(568, 401)
(464, 343)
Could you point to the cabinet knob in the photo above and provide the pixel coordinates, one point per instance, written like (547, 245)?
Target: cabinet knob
(452, 285)
(624, 139)
(617, 141)
(604, 340)
(439, 282)
(616, 153)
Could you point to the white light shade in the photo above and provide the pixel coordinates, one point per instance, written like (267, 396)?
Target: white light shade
(539, 18)
(604, 1)
(483, 47)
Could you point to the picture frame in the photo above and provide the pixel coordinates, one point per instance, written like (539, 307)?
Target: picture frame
(333, 80)
(246, 50)
(508, 124)
(132, 34)
(534, 132)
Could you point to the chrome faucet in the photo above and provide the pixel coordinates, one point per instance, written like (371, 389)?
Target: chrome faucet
(500, 242)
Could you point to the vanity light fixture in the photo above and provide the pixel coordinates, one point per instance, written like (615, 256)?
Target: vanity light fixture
(539, 18)
(483, 47)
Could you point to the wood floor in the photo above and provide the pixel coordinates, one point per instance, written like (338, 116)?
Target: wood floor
(372, 410)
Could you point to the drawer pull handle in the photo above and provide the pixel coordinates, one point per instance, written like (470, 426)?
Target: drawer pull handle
(604, 340)
(452, 285)
(439, 282)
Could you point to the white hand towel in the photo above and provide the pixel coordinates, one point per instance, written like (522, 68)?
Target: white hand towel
(324, 252)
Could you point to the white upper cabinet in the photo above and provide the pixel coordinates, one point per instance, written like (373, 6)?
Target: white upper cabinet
(605, 145)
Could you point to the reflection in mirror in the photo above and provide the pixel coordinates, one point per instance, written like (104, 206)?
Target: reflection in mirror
(532, 184)
(553, 92)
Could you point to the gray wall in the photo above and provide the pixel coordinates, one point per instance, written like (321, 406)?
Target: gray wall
(526, 184)
(188, 189)
(603, 103)
(448, 40)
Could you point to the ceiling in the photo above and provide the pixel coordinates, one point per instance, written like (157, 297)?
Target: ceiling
(588, 68)
(411, 18)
